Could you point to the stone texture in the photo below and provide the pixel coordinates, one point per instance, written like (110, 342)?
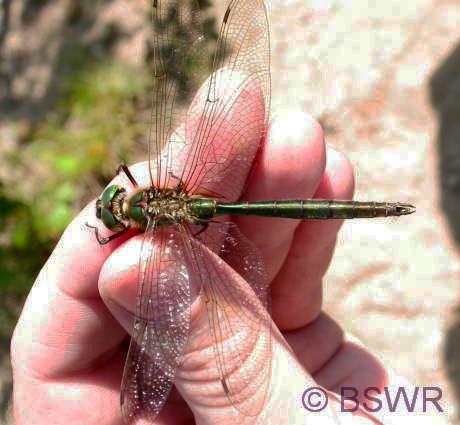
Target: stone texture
(366, 71)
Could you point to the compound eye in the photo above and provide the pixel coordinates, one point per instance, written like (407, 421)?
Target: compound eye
(109, 194)
(109, 221)
(105, 207)
(98, 209)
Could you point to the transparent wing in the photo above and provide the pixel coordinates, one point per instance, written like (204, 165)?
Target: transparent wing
(227, 120)
(161, 325)
(239, 321)
(218, 137)
(178, 60)
(226, 240)
(211, 145)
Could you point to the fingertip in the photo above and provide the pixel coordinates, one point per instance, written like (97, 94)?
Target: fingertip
(294, 119)
(119, 275)
(352, 365)
(75, 263)
(293, 158)
(79, 253)
(297, 139)
(338, 181)
(316, 342)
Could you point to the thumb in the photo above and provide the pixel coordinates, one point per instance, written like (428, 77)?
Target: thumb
(235, 367)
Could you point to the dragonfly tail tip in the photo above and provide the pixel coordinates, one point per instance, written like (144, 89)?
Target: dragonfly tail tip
(403, 209)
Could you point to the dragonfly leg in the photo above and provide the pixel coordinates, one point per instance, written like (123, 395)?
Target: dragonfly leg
(204, 226)
(180, 185)
(123, 168)
(105, 241)
(210, 193)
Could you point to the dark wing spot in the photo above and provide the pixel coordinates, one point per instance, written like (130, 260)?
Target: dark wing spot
(227, 14)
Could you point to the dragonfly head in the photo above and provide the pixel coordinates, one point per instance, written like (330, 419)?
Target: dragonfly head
(109, 208)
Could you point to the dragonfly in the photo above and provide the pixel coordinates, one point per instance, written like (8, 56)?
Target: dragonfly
(199, 160)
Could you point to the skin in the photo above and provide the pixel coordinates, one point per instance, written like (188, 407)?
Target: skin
(69, 345)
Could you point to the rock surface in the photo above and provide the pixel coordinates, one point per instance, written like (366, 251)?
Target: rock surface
(375, 76)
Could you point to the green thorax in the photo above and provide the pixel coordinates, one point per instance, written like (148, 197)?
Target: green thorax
(166, 206)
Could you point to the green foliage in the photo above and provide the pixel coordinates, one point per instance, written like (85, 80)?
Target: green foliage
(76, 148)
(19, 258)
(93, 125)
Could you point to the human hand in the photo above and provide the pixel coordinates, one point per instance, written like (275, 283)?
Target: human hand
(68, 349)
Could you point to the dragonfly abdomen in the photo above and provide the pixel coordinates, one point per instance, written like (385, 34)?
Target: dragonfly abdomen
(316, 209)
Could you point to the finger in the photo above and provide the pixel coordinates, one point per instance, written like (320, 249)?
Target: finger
(67, 337)
(297, 289)
(212, 152)
(316, 343)
(326, 352)
(359, 378)
(63, 314)
(352, 366)
(335, 360)
(62, 317)
(290, 166)
(349, 373)
(198, 379)
(90, 394)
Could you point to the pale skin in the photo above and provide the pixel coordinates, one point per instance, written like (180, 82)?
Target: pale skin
(68, 351)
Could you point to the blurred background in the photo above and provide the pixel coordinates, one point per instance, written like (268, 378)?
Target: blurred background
(383, 78)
